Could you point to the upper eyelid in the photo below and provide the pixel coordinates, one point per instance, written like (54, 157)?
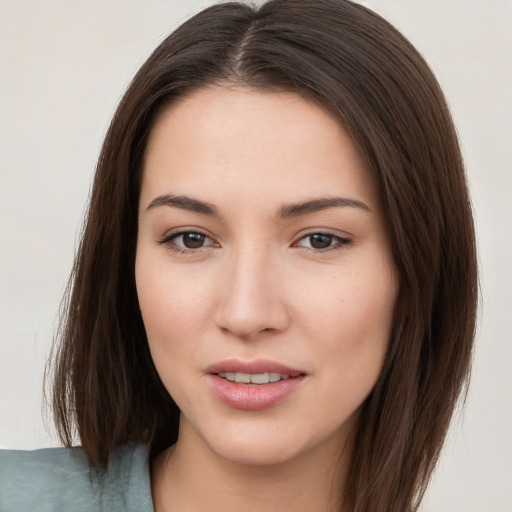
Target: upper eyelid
(342, 239)
(182, 231)
(324, 231)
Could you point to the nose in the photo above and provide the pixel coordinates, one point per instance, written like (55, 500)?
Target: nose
(252, 296)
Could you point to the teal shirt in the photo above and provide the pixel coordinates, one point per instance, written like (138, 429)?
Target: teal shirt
(61, 480)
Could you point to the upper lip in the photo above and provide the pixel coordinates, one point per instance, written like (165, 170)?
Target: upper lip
(253, 367)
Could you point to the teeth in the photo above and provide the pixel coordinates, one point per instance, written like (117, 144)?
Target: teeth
(274, 377)
(260, 378)
(242, 377)
(253, 378)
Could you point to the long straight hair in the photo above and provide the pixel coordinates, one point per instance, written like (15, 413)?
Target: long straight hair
(348, 59)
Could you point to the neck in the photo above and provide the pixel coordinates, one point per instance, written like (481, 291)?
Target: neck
(191, 476)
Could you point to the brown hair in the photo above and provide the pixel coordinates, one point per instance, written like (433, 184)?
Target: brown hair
(357, 65)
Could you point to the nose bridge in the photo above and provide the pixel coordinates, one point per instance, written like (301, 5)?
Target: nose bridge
(252, 296)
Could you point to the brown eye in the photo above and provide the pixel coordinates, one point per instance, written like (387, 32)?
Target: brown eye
(187, 241)
(320, 241)
(193, 240)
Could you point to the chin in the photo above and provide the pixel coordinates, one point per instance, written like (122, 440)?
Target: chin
(264, 443)
(263, 451)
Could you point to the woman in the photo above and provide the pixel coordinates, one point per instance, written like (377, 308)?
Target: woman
(273, 303)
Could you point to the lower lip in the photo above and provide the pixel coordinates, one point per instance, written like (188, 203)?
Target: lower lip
(253, 397)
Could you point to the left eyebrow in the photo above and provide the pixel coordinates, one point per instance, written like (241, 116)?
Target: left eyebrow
(316, 205)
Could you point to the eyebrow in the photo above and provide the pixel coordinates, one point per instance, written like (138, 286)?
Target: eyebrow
(316, 205)
(286, 211)
(185, 203)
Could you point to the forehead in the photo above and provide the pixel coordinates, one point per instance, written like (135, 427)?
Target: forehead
(221, 140)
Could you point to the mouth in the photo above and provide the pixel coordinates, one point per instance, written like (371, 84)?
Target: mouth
(237, 370)
(255, 378)
(253, 385)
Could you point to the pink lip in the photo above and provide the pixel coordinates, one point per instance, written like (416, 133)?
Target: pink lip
(252, 397)
(256, 366)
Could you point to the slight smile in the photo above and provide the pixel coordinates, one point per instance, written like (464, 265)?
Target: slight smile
(255, 378)
(253, 385)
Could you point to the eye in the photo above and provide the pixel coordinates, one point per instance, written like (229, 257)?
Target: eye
(185, 241)
(322, 241)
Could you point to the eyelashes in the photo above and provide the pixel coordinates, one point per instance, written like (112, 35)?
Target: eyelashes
(193, 241)
(322, 241)
(187, 241)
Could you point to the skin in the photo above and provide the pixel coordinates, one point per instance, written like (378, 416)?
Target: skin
(258, 286)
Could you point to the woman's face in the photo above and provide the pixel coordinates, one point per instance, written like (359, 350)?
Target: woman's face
(264, 273)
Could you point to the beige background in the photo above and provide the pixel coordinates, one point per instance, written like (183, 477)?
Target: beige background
(63, 67)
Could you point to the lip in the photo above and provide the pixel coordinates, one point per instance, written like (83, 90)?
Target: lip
(253, 397)
(255, 366)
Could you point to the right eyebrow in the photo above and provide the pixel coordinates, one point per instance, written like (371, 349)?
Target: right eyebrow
(185, 203)
(316, 205)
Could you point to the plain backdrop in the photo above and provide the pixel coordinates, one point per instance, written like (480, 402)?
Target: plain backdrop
(64, 66)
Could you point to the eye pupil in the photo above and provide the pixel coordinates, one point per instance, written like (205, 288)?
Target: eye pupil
(193, 240)
(320, 241)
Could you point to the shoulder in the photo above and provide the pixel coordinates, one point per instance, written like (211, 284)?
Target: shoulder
(61, 479)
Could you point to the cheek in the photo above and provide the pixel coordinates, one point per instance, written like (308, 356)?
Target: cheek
(176, 310)
(355, 303)
(166, 312)
(163, 307)
(352, 318)
(170, 301)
